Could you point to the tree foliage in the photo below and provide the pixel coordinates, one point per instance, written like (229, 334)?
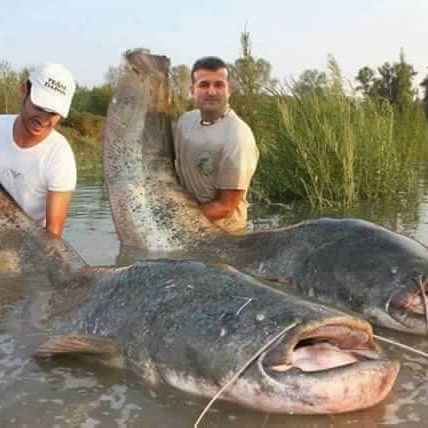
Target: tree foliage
(179, 84)
(251, 82)
(250, 76)
(311, 81)
(9, 88)
(94, 100)
(365, 78)
(392, 82)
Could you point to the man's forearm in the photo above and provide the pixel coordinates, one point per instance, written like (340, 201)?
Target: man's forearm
(57, 205)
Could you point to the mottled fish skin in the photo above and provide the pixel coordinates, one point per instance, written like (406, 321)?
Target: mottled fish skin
(350, 263)
(353, 264)
(27, 247)
(193, 325)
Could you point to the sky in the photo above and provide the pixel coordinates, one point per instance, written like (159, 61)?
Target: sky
(89, 36)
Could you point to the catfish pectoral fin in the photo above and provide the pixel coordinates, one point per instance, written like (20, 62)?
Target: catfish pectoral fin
(102, 348)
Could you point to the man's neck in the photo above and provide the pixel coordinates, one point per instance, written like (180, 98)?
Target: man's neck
(209, 118)
(22, 137)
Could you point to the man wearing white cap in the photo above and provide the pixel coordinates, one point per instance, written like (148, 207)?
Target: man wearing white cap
(37, 165)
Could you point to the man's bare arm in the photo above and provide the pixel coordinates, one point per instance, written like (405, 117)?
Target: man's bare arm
(223, 206)
(57, 205)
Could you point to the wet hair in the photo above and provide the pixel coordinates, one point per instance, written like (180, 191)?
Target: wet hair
(212, 63)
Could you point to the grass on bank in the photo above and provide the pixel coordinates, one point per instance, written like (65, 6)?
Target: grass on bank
(84, 133)
(337, 149)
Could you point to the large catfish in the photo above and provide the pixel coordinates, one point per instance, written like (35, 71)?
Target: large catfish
(192, 326)
(350, 263)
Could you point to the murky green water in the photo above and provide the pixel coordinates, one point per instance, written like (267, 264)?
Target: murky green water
(34, 395)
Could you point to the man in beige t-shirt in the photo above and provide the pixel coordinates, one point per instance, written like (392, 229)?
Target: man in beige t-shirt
(216, 154)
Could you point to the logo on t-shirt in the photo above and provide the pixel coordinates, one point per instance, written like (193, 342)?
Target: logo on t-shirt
(11, 180)
(9, 174)
(205, 163)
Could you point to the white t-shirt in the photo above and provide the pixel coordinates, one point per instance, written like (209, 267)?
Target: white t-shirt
(29, 173)
(223, 155)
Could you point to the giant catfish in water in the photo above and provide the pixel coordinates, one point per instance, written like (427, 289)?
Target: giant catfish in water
(192, 326)
(350, 263)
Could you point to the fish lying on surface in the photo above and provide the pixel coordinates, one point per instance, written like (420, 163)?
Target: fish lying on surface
(350, 263)
(192, 326)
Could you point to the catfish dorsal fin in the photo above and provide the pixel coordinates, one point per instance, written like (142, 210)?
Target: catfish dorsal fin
(102, 348)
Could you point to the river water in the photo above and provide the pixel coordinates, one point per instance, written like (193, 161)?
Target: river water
(49, 395)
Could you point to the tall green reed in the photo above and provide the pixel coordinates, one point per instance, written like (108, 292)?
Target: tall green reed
(335, 148)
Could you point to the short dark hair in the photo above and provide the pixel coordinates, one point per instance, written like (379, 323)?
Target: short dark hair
(212, 63)
(28, 89)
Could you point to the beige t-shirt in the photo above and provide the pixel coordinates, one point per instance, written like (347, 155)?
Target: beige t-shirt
(223, 155)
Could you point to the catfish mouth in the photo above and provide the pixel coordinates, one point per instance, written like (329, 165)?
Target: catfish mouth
(409, 307)
(326, 368)
(322, 348)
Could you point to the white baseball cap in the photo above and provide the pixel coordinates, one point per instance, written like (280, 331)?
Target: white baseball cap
(52, 88)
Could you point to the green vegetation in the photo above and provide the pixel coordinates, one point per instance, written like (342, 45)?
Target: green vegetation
(324, 142)
(84, 131)
(339, 149)
(9, 87)
(179, 82)
(321, 140)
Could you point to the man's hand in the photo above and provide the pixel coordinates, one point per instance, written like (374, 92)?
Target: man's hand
(223, 206)
(57, 205)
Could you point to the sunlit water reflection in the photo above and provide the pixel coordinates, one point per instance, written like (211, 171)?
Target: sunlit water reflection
(72, 395)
